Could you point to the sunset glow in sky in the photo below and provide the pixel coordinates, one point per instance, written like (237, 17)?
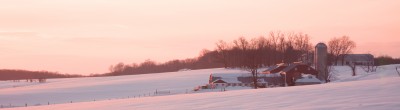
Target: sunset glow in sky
(87, 36)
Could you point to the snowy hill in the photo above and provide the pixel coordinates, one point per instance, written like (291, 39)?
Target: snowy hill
(102, 88)
(379, 93)
(343, 73)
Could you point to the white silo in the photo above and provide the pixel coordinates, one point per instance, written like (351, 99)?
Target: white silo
(320, 61)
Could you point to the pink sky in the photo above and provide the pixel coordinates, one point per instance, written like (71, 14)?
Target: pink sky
(87, 36)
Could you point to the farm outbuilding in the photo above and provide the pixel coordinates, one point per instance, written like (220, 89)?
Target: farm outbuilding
(222, 80)
(358, 59)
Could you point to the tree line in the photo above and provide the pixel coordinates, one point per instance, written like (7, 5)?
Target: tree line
(277, 47)
(9, 74)
(205, 60)
(247, 54)
(386, 60)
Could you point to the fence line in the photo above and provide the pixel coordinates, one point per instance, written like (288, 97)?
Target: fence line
(156, 93)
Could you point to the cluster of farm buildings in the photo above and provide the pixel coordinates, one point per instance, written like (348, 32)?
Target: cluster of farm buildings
(305, 72)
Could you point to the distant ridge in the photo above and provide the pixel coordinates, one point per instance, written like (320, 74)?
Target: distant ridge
(9, 74)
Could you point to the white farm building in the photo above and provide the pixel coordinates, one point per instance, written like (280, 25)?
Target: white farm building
(222, 80)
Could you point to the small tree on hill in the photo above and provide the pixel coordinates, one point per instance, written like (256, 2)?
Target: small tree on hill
(353, 68)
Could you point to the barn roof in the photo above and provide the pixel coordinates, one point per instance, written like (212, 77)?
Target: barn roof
(219, 81)
(275, 69)
(290, 67)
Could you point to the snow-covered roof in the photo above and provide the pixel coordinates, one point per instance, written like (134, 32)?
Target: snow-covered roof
(308, 78)
(236, 75)
(229, 77)
(243, 77)
(275, 68)
(270, 69)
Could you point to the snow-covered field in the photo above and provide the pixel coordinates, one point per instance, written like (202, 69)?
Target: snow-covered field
(56, 91)
(14, 84)
(376, 90)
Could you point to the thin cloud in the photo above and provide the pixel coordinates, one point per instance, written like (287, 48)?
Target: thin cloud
(19, 35)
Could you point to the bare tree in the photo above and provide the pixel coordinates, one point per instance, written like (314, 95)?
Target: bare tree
(302, 43)
(253, 61)
(117, 68)
(340, 47)
(398, 70)
(273, 38)
(241, 43)
(222, 49)
(352, 64)
(250, 57)
(369, 66)
(262, 46)
(353, 68)
(347, 46)
(277, 39)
